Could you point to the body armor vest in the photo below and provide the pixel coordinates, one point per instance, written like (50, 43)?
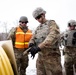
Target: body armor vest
(42, 33)
(70, 38)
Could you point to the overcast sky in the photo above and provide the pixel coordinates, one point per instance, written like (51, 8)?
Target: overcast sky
(59, 10)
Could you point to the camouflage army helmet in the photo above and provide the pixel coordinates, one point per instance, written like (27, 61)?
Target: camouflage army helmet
(72, 23)
(23, 19)
(38, 11)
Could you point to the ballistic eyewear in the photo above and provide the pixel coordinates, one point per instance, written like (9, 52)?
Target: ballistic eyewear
(69, 25)
(38, 17)
(24, 22)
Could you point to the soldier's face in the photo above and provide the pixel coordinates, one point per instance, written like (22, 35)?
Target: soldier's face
(23, 23)
(40, 18)
(72, 27)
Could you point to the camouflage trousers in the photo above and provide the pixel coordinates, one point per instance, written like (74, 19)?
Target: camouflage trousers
(70, 60)
(22, 62)
(49, 65)
(70, 63)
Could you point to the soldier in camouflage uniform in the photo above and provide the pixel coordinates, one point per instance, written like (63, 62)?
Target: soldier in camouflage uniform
(70, 48)
(45, 42)
(20, 37)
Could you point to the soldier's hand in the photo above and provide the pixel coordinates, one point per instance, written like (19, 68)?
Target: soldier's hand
(31, 44)
(33, 50)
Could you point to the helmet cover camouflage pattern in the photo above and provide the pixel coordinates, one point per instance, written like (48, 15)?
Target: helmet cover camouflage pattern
(72, 23)
(38, 11)
(23, 19)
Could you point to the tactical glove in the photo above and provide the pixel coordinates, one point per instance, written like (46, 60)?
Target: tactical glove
(31, 44)
(33, 50)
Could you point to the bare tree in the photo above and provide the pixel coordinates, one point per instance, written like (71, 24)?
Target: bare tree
(5, 28)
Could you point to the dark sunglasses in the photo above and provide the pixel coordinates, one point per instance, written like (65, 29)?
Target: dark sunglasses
(69, 25)
(38, 17)
(24, 22)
